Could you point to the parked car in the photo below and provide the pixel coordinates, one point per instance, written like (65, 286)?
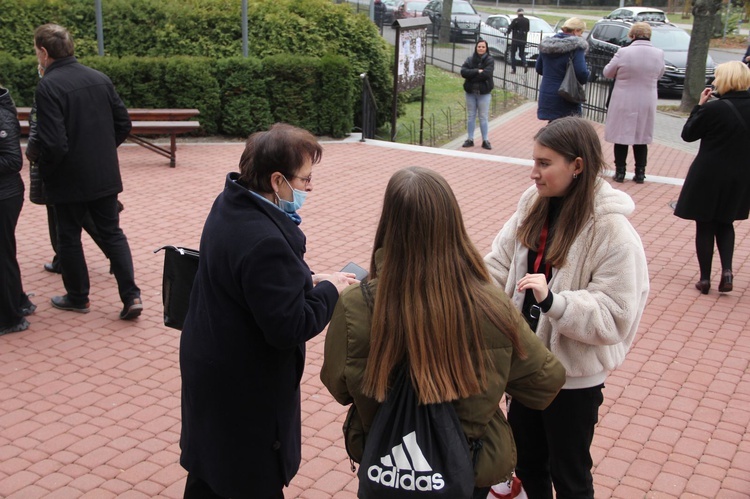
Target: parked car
(607, 36)
(465, 20)
(411, 8)
(638, 14)
(390, 11)
(495, 31)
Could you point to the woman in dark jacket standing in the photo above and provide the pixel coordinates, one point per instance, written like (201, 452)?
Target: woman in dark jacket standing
(477, 72)
(554, 53)
(14, 303)
(716, 191)
(253, 306)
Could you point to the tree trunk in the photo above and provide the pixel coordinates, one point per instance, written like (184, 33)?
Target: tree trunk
(445, 22)
(704, 14)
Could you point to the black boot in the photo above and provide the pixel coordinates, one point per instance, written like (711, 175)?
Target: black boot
(640, 174)
(619, 174)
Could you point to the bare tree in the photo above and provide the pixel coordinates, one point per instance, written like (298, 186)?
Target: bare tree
(704, 17)
(445, 22)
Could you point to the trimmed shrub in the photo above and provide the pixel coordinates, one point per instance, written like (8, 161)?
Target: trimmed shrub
(244, 98)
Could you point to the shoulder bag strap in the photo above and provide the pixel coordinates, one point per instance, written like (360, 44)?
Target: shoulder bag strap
(737, 113)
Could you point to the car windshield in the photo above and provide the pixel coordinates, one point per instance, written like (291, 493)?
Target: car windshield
(415, 6)
(463, 8)
(672, 39)
(540, 25)
(651, 16)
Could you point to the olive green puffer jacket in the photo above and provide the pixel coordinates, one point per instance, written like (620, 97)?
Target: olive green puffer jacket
(534, 381)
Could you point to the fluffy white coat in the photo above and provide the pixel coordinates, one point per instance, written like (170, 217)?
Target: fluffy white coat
(599, 293)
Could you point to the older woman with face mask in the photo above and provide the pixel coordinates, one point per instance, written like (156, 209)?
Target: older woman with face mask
(253, 306)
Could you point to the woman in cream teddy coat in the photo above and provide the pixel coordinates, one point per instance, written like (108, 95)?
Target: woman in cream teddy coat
(575, 267)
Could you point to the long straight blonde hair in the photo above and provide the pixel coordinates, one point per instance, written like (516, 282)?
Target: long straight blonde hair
(432, 294)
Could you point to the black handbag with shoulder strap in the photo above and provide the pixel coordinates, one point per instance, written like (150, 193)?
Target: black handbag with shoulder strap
(180, 267)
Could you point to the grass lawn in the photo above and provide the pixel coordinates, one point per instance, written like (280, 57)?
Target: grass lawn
(444, 110)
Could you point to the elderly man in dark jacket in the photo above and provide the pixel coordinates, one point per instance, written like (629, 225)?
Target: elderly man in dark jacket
(14, 303)
(80, 122)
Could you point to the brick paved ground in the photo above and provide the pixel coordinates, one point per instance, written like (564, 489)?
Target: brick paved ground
(89, 405)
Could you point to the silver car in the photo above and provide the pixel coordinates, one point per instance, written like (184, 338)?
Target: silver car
(495, 32)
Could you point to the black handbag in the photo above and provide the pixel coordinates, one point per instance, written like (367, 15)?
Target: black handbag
(180, 267)
(570, 89)
(37, 193)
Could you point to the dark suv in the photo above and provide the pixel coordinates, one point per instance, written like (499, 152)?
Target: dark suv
(465, 20)
(608, 35)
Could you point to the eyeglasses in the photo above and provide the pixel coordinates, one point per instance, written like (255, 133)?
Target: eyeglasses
(307, 179)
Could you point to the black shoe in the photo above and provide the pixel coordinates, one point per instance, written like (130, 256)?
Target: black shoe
(53, 267)
(486, 145)
(21, 326)
(64, 303)
(132, 309)
(640, 174)
(619, 177)
(512, 71)
(468, 143)
(27, 308)
(726, 283)
(703, 286)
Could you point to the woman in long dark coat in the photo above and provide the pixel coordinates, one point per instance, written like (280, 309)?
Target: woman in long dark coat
(253, 306)
(717, 187)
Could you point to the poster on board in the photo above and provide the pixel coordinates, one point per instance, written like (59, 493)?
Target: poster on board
(411, 58)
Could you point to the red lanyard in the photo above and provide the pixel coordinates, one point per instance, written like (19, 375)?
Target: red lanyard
(540, 251)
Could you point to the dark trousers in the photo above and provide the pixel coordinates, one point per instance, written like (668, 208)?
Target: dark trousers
(195, 488)
(87, 224)
(11, 290)
(106, 219)
(520, 47)
(554, 444)
(640, 151)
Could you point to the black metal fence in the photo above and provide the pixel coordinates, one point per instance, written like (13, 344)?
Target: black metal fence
(369, 110)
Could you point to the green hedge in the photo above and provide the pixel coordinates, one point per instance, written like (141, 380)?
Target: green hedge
(212, 29)
(236, 96)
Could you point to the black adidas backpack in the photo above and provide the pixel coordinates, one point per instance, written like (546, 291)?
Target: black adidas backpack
(415, 450)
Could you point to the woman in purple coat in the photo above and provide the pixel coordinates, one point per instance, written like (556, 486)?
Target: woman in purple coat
(636, 70)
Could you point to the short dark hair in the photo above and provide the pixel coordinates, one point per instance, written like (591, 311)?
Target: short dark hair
(55, 39)
(283, 148)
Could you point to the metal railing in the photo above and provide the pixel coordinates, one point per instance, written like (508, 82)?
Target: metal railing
(369, 110)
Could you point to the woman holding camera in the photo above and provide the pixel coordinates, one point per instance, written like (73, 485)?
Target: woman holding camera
(716, 191)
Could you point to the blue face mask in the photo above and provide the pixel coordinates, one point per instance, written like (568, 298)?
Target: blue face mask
(292, 206)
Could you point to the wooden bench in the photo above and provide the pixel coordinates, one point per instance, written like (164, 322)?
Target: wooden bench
(147, 122)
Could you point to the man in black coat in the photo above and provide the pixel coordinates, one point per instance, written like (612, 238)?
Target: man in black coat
(80, 122)
(519, 29)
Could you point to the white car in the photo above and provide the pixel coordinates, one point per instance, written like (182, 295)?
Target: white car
(638, 14)
(495, 31)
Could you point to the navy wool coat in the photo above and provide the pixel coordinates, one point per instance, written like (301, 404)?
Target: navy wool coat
(242, 350)
(552, 62)
(717, 186)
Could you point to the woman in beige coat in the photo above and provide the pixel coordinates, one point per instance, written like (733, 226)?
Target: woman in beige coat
(436, 310)
(636, 70)
(574, 265)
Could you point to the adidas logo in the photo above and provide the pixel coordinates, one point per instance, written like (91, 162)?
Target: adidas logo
(406, 468)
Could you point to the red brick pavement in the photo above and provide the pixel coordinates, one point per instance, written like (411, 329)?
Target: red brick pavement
(89, 404)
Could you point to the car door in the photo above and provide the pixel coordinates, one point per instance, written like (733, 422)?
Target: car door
(499, 41)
